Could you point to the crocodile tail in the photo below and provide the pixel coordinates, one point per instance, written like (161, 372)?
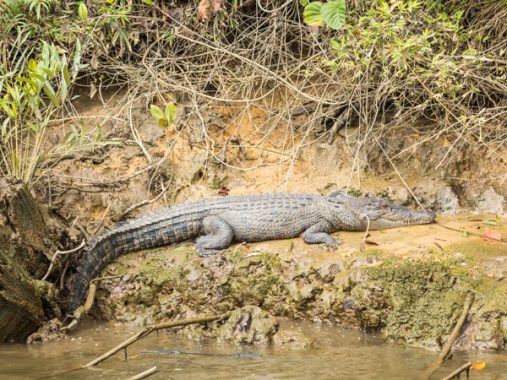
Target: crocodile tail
(78, 289)
(98, 254)
(135, 236)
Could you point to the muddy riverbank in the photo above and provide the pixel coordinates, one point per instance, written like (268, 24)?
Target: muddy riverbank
(410, 285)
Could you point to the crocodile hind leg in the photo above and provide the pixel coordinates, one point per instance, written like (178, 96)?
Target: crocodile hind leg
(319, 234)
(218, 236)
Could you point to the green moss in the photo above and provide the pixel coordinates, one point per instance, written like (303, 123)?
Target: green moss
(422, 298)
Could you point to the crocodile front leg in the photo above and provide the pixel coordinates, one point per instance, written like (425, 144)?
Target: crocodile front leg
(319, 234)
(218, 236)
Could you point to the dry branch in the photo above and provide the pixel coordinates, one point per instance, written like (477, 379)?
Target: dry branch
(459, 371)
(148, 330)
(144, 374)
(446, 349)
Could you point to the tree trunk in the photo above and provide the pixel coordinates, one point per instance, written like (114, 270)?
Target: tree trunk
(24, 251)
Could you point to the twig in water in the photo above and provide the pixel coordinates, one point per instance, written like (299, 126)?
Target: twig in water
(144, 374)
(148, 330)
(456, 374)
(446, 349)
(57, 253)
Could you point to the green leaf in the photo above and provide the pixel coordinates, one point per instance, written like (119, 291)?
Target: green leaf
(311, 14)
(148, 2)
(82, 11)
(170, 112)
(76, 60)
(66, 76)
(50, 92)
(489, 223)
(333, 13)
(156, 112)
(466, 234)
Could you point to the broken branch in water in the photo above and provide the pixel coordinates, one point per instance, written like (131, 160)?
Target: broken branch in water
(459, 371)
(144, 374)
(148, 330)
(446, 349)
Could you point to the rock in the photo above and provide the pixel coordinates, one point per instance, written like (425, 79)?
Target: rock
(496, 267)
(490, 202)
(249, 325)
(398, 193)
(327, 272)
(447, 201)
(51, 331)
(367, 261)
(293, 339)
(485, 335)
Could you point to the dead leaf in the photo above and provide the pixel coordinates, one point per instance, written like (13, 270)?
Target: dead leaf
(478, 365)
(203, 10)
(492, 235)
(371, 242)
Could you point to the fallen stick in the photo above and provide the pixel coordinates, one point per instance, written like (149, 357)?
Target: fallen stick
(144, 374)
(469, 232)
(148, 330)
(459, 371)
(446, 349)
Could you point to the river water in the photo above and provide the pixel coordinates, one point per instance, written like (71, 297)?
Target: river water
(339, 354)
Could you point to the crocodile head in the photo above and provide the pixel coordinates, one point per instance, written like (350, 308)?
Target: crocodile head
(377, 213)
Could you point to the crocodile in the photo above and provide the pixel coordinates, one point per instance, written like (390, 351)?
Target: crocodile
(218, 222)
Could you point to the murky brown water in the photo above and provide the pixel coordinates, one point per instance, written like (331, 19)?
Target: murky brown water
(341, 354)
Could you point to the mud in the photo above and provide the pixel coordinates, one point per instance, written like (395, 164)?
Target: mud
(412, 291)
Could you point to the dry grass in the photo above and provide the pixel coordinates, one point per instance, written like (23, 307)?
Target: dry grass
(381, 83)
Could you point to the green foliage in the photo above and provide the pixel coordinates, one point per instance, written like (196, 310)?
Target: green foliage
(82, 11)
(166, 117)
(441, 60)
(28, 101)
(332, 14)
(312, 14)
(407, 56)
